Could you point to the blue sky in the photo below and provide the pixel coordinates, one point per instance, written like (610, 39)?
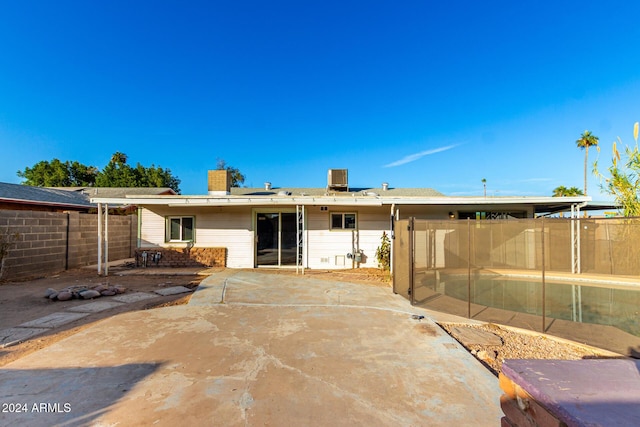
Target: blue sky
(416, 94)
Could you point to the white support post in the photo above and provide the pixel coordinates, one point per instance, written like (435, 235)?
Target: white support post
(99, 239)
(106, 239)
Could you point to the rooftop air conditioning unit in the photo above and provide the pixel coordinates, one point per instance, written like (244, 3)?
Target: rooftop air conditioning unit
(337, 180)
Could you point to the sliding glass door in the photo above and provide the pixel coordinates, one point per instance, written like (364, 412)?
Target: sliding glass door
(275, 238)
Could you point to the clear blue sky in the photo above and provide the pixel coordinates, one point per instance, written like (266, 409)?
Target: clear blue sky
(417, 94)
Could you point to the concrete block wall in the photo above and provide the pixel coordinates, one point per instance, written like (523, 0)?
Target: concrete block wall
(184, 257)
(83, 238)
(50, 242)
(40, 246)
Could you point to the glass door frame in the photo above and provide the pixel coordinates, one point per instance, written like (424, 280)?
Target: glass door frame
(279, 211)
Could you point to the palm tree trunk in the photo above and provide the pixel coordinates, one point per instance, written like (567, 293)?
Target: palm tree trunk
(586, 156)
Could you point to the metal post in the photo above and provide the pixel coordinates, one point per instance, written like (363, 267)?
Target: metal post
(469, 268)
(99, 239)
(106, 239)
(543, 282)
(412, 258)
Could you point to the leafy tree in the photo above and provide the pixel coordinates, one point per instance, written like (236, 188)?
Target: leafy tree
(59, 174)
(117, 173)
(237, 178)
(623, 182)
(562, 191)
(586, 140)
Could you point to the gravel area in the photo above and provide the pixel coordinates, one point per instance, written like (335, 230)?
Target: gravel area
(520, 344)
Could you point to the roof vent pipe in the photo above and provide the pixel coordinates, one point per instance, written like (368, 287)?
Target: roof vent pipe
(385, 186)
(267, 186)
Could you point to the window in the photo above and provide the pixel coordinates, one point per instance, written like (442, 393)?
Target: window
(343, 221)
(180, 228)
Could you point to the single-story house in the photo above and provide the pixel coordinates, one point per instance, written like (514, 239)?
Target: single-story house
(330, 227)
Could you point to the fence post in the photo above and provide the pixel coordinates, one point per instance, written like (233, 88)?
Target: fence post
(469, 268)
(412, 258)
(543, 283)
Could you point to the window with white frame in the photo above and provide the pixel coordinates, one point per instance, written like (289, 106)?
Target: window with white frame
(180, 228)
(343, 221)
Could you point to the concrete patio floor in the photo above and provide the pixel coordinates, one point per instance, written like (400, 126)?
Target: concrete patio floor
(257, 349)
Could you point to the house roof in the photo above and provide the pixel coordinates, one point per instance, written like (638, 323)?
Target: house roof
(25, 194)
(292, 196)
(317, 192)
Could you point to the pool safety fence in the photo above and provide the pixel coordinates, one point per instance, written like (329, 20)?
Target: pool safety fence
(576, 278)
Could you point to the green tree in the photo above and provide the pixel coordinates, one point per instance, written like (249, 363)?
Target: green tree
(623, 180)
(59, 174)
(562, 191)
(237, 178)
(586, 140)
(117, 173)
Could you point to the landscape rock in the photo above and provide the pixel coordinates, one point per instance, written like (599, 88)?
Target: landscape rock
(89, 294)
(49, 292)
(64, 296)
(108, 292)
(53, 296)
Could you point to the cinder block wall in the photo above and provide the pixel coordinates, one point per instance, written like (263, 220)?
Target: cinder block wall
(40, 246)
(184, 257)
(83, 238)
(49, 242)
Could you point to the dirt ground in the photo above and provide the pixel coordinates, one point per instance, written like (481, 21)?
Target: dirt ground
(24, 301)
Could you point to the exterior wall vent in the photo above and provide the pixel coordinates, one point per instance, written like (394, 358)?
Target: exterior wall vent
(337, 180)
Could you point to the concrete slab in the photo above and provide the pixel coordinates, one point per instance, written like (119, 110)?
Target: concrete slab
(53, 320)
(286, 355)
(12, 336)
(134, 297)
(95, 307)
(174, 290)
(470, 336)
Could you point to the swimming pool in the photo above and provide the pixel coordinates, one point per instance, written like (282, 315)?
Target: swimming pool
(596, 303)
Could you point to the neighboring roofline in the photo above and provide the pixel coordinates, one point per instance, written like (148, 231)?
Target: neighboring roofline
(41, 203)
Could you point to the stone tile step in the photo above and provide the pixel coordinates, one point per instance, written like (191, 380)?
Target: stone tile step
(53, 320)
(12, 336)
(137, 296)
(174, 290)
(95, 307)
(472, 336)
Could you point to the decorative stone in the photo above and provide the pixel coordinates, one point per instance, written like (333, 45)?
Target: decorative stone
(64, 296)
(120, 289)
(100, 288)
(49, 292)
(89, 294)
(53, 296)
(108, 292)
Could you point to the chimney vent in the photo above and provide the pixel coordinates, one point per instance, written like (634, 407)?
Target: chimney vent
(267, 186)
(385, 186)
(219, 183)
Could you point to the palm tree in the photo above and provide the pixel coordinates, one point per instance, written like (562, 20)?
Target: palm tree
(562, 191)
(484, 183)
(586, 140)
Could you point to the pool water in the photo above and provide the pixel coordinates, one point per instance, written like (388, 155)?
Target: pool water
(583, 302)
